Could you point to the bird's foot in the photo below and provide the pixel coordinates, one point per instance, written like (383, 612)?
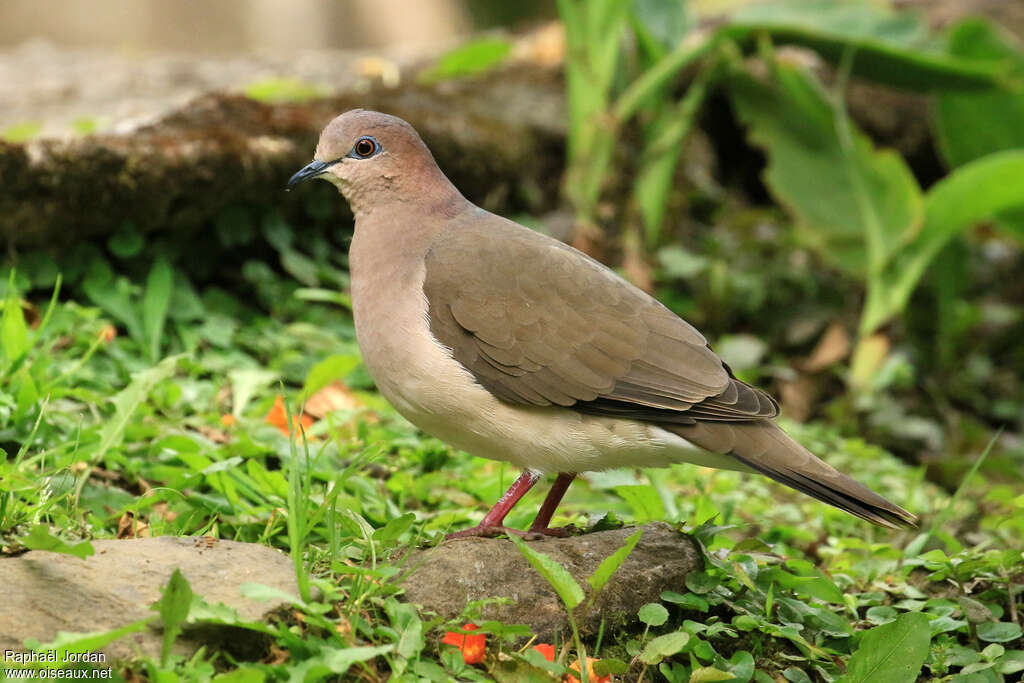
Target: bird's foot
(556, 532)
(482, 531)
(491, 531)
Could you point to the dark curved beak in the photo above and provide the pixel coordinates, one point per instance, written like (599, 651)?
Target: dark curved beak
(310, 170)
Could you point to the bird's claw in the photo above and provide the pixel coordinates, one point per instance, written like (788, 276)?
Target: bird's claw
(529, 535)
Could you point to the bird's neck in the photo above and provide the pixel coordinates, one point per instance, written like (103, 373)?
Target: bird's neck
(427, 194)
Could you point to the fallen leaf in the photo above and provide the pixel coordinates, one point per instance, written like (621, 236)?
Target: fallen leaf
(213, 434)
(832, 347)
(800, 396)
(279, 418)
(128, 526)
(334, 396)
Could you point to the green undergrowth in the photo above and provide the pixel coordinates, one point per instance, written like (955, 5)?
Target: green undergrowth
(158, 427)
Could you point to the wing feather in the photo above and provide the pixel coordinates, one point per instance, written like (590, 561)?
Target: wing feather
(539, 323)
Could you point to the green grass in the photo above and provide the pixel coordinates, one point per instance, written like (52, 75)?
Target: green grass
(791, 585)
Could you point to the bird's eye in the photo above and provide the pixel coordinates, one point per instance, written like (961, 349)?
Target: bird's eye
(365, 147)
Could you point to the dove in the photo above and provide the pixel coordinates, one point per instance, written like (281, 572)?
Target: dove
(512, 345)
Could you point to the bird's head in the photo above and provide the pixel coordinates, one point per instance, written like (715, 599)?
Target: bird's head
(372, 158)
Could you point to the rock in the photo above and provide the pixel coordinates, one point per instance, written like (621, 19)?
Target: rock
(48, 592)
(445, 578)
(499, 136)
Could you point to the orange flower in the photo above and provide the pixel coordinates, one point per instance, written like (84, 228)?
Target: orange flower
(471, 646)
(547, 650)
(227, 420)
(591, 676)
(279, 418)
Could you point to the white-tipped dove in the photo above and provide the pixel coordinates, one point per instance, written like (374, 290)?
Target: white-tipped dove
(514, 346)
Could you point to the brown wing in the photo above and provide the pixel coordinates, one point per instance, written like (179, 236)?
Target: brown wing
(537, 322)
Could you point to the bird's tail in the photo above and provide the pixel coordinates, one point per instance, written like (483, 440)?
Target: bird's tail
(762, 446)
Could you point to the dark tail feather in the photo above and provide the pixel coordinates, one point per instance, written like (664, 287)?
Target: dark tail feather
(762, 446)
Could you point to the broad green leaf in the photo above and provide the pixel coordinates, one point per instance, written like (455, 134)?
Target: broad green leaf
(611, 564)
(806, 580)
(154, 304)
(854, 205)
(84, 642)
(40, 538)
(173, 606)
(709, 674)
(244, 384)
(998, 632)
(973, 193)
(653, 614)
(891, 653)
(471, 59)
(610, 665)
(326, 371)
(644, 500)
(127, 242)
(970, 125)
(892, 48)
(664, 646)
(127, 401)
(335, 661)
(394, 528)
(114, 296)
(13, 330)
(555, 574)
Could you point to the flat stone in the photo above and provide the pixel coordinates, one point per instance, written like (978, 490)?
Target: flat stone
(46, 592)
(445, 578)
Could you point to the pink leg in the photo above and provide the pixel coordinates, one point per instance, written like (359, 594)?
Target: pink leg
(547, 508)
(491, 524)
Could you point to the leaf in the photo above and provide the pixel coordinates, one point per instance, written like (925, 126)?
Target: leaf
(113, 296)
(127, 242)
(471, 59)
(891, 653)
(243, 674)
(689, 601)
(394, 528)
(653, 614)
(40, 538)
(644, 500)
(970, 125)
(127, 401)
(84, 642)
(664, 646)
(173, 606)
(154, 304)
(610, 564)
(335, 661)
(973, 193)
(709, 674)
(892, 48)
(326, 371)
(853, 205)
(555, 574)
(284, 90)
(244, 384)
(998, 632)
(13, 330)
